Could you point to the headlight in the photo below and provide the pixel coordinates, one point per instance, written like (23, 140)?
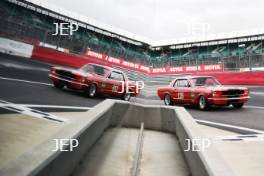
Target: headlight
(82, 79)
(53, 71)
(246, 91)
(214, 93)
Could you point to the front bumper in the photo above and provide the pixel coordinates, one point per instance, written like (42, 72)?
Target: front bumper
(68, 83)
(227, 100)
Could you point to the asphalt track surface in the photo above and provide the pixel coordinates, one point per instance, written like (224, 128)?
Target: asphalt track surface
(25, 81)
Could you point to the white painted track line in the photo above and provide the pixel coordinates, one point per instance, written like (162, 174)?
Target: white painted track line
(243, 138)
(30, 112)
(56, 106)
(23, 67)
(25, 81)
(228, 126)
(253, 107)
(257, 93)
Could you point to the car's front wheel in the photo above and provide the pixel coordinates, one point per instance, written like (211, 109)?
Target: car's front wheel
(167, 100)
(237, 105)
(203, 103)
(58, 85)
(92, 91)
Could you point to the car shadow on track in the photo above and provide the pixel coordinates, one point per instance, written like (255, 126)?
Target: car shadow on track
(83, 94)
(75, 93)
(214, 108)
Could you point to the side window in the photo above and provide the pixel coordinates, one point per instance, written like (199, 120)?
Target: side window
(181, 83)
(116, 76)
(177, 83)
(185, 83)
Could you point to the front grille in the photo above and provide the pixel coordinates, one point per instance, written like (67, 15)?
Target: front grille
(65, 74)
(233, 92)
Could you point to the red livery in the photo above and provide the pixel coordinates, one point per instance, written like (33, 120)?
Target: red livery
(203, 91)
(95, 80)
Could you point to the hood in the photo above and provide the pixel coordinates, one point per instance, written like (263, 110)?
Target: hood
(73, 71)
(64, 68)
(223, 88)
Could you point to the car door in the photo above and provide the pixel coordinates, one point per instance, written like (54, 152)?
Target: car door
(108, 84)
(177, 92)
(187, 92)
(182, 91)
(115, 84)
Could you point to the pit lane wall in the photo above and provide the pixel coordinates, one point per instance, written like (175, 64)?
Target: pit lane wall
(42, 160)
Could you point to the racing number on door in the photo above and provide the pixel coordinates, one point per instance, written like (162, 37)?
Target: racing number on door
(115, 88)
(180, 95)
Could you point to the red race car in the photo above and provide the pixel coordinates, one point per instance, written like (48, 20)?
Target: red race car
(203, 91)
(95, 80)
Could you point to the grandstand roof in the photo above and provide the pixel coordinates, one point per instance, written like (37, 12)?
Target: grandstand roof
(87, 20)
(207, 38)
(137, 38)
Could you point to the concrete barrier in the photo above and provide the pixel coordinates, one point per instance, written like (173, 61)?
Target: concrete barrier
(58, 57)
(41, 160)
(174, 120)
(15, 48)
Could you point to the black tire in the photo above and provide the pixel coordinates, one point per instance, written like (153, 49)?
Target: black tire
(58, 85)
(167, 100)
(126, 96)
(92, 91)
(203, 103)
(237, 105)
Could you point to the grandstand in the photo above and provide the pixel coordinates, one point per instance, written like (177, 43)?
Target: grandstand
(32, 23)
(21, 20)
(233, 53)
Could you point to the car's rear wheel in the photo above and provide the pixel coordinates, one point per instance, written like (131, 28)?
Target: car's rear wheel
(167, 100)
(126, 96)
(58, 85)
(237, 105)
(92, 91)
(203, 103)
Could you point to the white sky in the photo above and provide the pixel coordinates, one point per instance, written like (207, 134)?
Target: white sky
(171, 19)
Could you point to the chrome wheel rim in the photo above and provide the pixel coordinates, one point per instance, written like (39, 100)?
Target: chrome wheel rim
(92, 90)
(202, 102)
(167, 99)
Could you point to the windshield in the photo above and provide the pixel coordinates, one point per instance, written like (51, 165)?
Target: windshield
(89, 68)
(204, 81)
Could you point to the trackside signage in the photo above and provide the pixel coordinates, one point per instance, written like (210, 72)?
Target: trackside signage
(144, 68)
(187, 69)
(113, 60)
(159, 70)
(128, 64)
(152, 71)
(212, 67)
(96, 55)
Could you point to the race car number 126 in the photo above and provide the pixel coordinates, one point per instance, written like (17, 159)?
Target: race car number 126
(115, 88)
(180, 95)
